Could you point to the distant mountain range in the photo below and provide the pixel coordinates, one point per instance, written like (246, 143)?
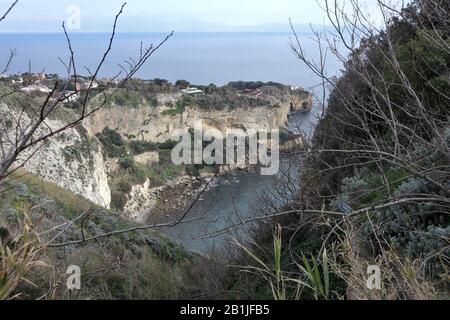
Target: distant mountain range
(146, 24)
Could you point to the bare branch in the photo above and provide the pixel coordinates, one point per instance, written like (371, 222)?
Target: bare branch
(8, 10)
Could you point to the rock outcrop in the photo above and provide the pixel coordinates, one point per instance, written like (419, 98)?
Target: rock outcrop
(71, 160)
(153, 124)
(141, 200)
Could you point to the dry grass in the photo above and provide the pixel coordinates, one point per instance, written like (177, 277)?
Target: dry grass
(345, 259)
(401, 277)
(19, 254)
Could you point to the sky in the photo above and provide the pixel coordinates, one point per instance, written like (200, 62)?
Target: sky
(161, 15)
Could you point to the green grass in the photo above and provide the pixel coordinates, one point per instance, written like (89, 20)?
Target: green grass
(179, 108)
(71, 205)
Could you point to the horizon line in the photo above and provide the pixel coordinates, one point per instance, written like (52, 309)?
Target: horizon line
(144, 32)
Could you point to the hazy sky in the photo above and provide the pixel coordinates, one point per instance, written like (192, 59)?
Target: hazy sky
(96, 15)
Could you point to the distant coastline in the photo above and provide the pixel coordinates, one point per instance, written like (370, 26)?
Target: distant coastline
(203, 58)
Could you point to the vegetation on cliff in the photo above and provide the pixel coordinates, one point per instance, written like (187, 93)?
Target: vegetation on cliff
(128, 172)
(139, 92)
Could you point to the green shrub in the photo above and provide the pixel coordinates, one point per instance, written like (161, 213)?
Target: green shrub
(113, 143)
(168, 145)
(139, 147)
(124, 97)
(118, 200)
(421, 228)
(127, 163)
(179, 108)
(124, 186)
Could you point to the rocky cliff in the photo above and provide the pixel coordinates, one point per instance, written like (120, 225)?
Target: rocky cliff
(71, 160)
(157, 124)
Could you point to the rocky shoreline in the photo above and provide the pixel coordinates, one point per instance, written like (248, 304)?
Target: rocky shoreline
(165, 201)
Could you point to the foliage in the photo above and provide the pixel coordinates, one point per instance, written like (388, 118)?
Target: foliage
(420, 229)
(129, 98)
(113, 143)
(179, 108)
(127, 164)
(138, 147)
(319, 281)
(424, 58)
(18, 256)
(131, 173)
(272, 275)
(311, 274)
(115, 146)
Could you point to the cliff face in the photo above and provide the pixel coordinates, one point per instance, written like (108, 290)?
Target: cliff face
(71, 160)
(141, 199)
(154, 124)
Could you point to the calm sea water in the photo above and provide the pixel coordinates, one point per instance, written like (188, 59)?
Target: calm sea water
(200, 58)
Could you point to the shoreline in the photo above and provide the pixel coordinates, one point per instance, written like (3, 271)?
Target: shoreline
(173, 198)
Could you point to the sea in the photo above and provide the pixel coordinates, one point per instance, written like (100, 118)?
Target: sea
(200, 58)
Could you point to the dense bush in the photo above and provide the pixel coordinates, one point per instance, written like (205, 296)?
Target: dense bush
(139, 146)
(182, 84)
(179, 108)
(383, 129)
(242, 85)
(123, 97)
(127, 163)
(113, 143)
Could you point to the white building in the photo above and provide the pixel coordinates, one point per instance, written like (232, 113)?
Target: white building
(70, 96)
(86, 84)
(36, 88)
(17, 81)
(192, 91)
